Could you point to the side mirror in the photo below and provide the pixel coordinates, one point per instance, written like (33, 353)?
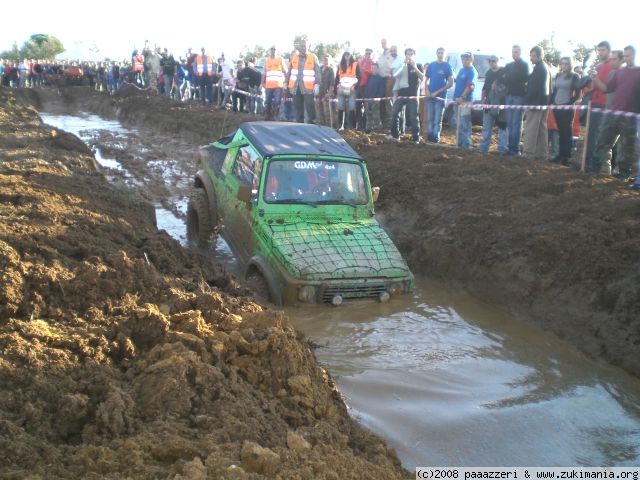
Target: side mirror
(375, 193)
(244, 193)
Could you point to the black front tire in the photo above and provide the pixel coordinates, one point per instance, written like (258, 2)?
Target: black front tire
(259, 286)
(199, 220)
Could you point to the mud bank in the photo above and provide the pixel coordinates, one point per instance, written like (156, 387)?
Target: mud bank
(123, 355)
(549, 244)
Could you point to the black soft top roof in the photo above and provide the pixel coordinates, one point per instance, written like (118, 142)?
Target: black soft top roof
(282, 138)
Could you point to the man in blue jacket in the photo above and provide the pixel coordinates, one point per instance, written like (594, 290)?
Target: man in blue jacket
(463, 97)
(439, 80)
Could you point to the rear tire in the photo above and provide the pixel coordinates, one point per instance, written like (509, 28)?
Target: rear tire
(199, 220)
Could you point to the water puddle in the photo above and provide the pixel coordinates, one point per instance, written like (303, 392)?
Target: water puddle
(447, 380)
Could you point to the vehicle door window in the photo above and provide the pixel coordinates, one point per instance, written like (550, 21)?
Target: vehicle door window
(247, 167)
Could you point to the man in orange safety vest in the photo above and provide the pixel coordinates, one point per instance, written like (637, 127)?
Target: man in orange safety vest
(303, 82)
(272, 82)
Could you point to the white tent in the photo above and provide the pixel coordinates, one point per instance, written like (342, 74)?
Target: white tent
(81, 51)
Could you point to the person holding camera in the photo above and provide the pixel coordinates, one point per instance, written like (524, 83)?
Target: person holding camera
(347, 78)
(408, 78)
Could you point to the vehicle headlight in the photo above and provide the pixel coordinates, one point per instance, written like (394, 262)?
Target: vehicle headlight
(384, 297)
(396, 289)
(307, 294)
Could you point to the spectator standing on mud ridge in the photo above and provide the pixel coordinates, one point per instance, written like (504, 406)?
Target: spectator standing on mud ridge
(365, 66)
(408, 77)
(242, 83)
(347, 78)
(205, 71)
(625, 84)
(168, 64)
(536, 136)
(515, 77)
(303, 82)
(439, 79)
(255, 87)
(115, 78)
(617, 60)
(598, 99)
(23, 73)
(374, 89)
(226, 82)
(273, 82)
(566, 91)
(494, 93)
(191, 60)
(385, 60)
(324, 102)
(137, 62)
(152, 68)
(463, 96)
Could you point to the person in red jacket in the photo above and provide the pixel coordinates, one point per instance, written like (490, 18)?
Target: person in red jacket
(365, 65)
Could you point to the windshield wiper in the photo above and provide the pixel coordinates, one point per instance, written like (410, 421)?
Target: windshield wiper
(296, 201)
(336, 202)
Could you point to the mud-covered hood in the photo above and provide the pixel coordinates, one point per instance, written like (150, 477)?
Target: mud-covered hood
(317, 251)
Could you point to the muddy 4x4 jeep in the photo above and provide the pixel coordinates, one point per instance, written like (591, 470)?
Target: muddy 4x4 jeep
(297, 209)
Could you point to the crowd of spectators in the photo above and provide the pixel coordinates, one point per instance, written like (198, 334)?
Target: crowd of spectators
(382, 91)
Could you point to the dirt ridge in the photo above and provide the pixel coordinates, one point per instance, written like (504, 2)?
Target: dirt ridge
(122, 355)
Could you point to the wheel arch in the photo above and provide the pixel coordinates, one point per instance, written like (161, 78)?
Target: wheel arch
(259, 264)
(202, 180)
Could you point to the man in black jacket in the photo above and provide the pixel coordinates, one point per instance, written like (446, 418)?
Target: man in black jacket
(515, 78)
(536, 142)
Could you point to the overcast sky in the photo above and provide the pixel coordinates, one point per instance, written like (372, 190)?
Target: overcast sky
(117, 26)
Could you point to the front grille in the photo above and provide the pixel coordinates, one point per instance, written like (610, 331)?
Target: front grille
(353, 290)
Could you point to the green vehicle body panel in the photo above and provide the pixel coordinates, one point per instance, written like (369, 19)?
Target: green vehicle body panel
(340, 249)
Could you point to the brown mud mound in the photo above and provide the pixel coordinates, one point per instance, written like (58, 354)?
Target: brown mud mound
(124, 356)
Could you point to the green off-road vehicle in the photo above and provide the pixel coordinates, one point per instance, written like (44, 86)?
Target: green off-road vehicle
(297, 209)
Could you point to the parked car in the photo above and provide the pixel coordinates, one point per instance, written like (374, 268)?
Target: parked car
(296, 206)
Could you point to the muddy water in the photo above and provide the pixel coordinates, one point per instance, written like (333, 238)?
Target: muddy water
(445, 379)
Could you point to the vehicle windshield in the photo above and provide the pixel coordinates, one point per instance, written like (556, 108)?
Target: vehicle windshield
(315, 181)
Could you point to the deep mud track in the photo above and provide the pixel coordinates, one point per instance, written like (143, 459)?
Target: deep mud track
(122, 355)
(125, 355)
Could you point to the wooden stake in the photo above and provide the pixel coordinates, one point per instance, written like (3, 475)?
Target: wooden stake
(583, 164)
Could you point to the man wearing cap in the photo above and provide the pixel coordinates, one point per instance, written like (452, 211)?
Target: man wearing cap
(303, 82)
(272, 82)
(463, 96)
(493, 93)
